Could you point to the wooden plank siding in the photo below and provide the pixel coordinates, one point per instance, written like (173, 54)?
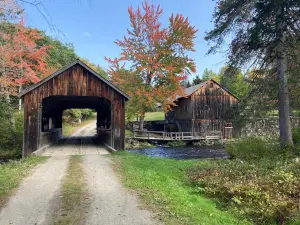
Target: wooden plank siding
(205, 111)
(75, 81)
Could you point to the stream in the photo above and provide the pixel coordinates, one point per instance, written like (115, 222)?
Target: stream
(194, 152)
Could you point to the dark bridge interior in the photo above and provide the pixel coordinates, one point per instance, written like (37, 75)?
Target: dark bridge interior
(53, 107)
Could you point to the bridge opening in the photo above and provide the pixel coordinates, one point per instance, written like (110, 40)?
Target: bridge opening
(55, 110)
(79, 122)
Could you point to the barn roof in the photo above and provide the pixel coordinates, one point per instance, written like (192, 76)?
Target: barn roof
(109, 83)
(191, 90)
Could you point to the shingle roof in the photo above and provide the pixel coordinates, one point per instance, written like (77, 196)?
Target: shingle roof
(191, 90)
(109, 83)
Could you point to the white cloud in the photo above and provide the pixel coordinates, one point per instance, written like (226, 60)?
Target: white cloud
(87, 34)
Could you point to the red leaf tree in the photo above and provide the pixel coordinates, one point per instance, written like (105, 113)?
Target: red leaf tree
(153, 60)
(21, 60)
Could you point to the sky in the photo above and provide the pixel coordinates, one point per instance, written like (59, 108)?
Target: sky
(92, 26)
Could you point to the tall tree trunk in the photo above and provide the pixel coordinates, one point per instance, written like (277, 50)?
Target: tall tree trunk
(20, 99)
(11, 121)
(142, 117)
(283, 94)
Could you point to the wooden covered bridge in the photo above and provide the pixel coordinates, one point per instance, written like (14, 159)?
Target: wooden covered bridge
(74, 86)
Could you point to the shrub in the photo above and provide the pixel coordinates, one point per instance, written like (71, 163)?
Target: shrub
(253, 148)
(11, 136)
(19, 130)
(267, 192)
(296, 135)
(177, 143)
(134, 144)
(87, 113)
(76, 115)
(262, 182)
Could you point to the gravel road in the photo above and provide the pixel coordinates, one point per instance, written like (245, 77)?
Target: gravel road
(38, 195)
(111, 203)
(33, 201)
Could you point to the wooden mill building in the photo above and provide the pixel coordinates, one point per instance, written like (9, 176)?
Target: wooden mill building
(207, 109)
(74, 86)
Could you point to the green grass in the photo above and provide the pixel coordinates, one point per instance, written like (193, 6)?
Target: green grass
(73, 195)
(165, 190)
(69, 128)
(12, 173)
(128, 133)
(152, 116)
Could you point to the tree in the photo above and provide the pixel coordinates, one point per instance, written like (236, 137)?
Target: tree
(59, 55)
(233, 79)
(188, 84)
(197, 80)
(21, 60)
(98, 69)
(209, 74)
(154, 60)
(261, 32)
(9, 10)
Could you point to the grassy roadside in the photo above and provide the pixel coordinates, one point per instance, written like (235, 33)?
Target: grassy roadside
(70, 128)
(152, 116)
(72, 203)
(164, 189)
(12, 173)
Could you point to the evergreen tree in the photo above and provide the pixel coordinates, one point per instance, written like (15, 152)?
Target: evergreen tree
(262, 34)
(188, 84)
(209, 74)
(197, 80)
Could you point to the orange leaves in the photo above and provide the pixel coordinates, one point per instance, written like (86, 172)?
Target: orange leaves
(185, 32)
(156, 58)
(21, 58)
(170, 67)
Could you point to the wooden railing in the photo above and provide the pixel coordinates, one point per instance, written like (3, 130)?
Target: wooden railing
(162, 135)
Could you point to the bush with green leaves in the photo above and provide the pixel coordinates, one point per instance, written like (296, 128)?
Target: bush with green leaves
(11, 130)
(253, 148)
(76, 115)
(296, 136)
(261, 182)
(267, 192)
(176, 143)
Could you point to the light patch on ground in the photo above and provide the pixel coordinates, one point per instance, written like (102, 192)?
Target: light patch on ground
(73, 198)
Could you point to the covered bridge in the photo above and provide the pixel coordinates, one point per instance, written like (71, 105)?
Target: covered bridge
(74, 86)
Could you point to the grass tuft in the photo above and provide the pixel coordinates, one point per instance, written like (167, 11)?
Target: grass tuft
(73, 195)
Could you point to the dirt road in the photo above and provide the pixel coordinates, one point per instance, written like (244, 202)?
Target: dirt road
(38, 195)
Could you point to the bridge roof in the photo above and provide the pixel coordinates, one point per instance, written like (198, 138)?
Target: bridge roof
(109, 83)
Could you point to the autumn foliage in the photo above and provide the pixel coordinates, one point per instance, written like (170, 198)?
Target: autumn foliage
(154, 59)
(21, 60)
